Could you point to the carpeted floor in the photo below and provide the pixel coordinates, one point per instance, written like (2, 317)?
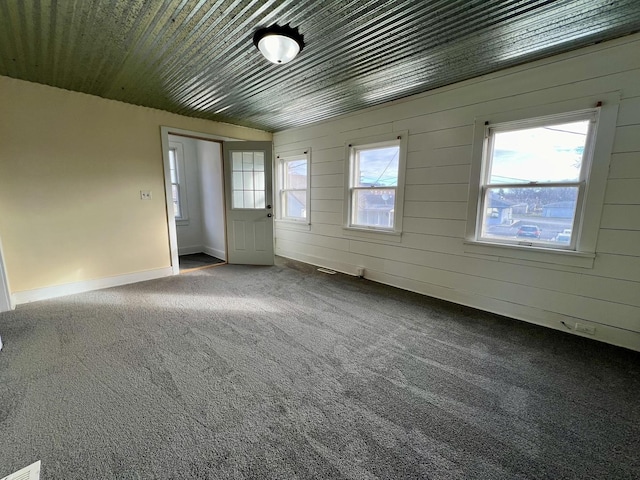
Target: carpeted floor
(197, 260)
(284, 372)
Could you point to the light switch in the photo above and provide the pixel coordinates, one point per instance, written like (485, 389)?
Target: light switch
(145, 194)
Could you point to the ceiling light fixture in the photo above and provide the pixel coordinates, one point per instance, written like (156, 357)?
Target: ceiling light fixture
(279, 44)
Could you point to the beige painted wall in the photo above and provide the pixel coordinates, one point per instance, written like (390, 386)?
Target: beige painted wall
(71, 170)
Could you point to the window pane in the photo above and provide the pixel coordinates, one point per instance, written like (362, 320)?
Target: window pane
(247, 161)
(373, 208)
(248, 180)
(248, 199)
(537, 214)
(260, 196)
(172, 166)
(258, 180)
(541, 154)
(376, 167)
(175, 192)
(237, 181)
(295, 174)
(295, 204)
(259, 161)
(238, 199)
(237, 161)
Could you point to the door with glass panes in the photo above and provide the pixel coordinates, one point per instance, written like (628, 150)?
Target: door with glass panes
(248, 172)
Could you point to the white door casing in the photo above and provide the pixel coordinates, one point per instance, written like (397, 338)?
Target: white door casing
(5, 294)
(249, 202)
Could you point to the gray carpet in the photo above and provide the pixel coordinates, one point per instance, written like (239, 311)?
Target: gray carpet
(285, 372)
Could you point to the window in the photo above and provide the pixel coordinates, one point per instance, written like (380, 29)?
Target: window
(293, 183)
(375, 185)
(248, 180)
(178, 189)
(538, 183)
(535, 175)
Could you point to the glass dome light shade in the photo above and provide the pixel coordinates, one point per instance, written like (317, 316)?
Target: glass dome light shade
(278, 48)
(279, 43)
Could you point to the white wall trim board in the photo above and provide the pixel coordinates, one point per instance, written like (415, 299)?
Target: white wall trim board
(215, 252)
(190, 249)
(171, 221)
(335, 265)
(45, 293)
(604, 333)
(6, 302)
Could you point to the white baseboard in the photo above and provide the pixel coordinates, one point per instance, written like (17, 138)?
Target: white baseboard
(336, 265)
(221, 254)
(215, 252)
(37, 294)
(604, 333)
(188, 250)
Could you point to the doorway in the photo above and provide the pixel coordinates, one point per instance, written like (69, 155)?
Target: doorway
(197, 197)
(244, 231)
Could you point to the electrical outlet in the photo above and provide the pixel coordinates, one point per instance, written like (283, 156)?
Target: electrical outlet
(581, 327)
(145, 194)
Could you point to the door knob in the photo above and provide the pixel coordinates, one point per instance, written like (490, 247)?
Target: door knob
(269, 215)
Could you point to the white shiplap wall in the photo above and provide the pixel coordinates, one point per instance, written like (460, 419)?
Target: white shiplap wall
(430, 257)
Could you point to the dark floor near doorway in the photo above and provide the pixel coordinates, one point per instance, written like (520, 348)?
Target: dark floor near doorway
(197, 260)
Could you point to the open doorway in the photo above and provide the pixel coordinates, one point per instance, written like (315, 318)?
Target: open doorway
(195, 197)
(197, 189)
(245, 218)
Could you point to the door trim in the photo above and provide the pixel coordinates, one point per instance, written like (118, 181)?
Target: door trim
(171, 222)
(6, 300)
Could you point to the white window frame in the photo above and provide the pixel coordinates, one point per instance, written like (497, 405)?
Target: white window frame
(281, 160)
(352, 148)
(581, 251)
(177, 148)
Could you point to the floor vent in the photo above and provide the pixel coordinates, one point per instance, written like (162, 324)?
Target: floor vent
(32, 472)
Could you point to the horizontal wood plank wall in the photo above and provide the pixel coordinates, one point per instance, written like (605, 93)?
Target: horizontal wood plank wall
(430, 257)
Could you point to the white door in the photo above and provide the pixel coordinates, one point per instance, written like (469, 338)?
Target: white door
(248, 171)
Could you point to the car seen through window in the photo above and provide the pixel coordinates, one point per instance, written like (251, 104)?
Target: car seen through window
(531, 231)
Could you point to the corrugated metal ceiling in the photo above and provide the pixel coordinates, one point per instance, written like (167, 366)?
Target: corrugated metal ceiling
(197, 58)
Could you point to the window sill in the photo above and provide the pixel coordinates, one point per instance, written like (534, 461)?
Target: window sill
(525, 253)
(293, 224)
(371, 233)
